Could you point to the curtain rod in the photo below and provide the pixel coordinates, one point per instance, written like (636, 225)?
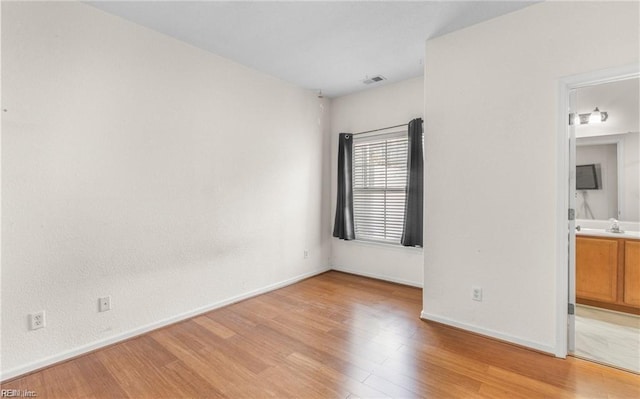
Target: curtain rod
(377, 130)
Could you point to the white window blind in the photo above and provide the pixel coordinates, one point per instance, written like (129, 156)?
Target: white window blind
(379, 182)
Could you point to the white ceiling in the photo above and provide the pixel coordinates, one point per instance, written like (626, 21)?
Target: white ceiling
(327, 45)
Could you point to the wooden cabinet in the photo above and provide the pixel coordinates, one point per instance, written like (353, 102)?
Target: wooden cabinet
(608, 273)
(632, 273)
(597, 276)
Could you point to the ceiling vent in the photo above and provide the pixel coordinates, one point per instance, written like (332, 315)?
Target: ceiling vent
(375, 79)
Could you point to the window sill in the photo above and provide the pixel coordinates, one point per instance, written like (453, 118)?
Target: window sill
(382, 244)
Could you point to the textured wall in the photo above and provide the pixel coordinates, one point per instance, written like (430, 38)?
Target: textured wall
(136, 166)
(491, 112)
(388, 105)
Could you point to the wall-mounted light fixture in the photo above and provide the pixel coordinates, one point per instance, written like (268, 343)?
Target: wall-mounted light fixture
(596, 116)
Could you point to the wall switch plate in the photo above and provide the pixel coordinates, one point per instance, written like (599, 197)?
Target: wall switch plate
(306, 253)
(36, 320)
(476, 293)
(104, 303)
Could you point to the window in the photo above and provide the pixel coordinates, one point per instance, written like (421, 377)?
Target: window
(379, 186)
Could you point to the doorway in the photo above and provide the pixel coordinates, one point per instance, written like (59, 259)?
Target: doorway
(604, 226)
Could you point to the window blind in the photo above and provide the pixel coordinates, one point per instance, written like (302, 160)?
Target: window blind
(379, 186)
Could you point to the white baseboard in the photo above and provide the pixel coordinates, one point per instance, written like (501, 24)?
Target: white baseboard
(377, 276)
(81, 350)
(490, 333)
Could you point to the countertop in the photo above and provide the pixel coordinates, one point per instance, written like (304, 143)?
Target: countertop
(634, 235)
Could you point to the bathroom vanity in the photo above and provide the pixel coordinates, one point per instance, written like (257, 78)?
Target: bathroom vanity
(608, 270)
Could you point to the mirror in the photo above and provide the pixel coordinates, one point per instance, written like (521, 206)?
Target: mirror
(613, 148)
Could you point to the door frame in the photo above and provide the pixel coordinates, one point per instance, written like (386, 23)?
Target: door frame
(565, 231)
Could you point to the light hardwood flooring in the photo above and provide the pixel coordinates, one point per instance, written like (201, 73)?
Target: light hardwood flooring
(332, 336)
(608, 337)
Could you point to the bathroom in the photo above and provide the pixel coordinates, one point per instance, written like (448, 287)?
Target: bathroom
(607, 206)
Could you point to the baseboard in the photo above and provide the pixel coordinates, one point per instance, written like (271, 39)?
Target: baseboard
(546, 349)
(84, 349)
(377, 276)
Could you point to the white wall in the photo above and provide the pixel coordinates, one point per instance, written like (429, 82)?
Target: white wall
(136, 166)
(491, 100)
(389, 105)
(631, 176)
(621, 101)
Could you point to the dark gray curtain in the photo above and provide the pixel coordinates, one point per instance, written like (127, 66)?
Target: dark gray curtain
(343, 227)
(412, 229)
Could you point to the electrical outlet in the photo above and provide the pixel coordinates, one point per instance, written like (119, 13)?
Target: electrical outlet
(36, 320)
(306, 253)
(104, 303)
(476, 293)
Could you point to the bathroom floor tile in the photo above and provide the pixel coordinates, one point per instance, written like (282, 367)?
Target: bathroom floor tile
(608, 337)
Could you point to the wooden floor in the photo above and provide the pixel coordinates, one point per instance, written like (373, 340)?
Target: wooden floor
(332, 336)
